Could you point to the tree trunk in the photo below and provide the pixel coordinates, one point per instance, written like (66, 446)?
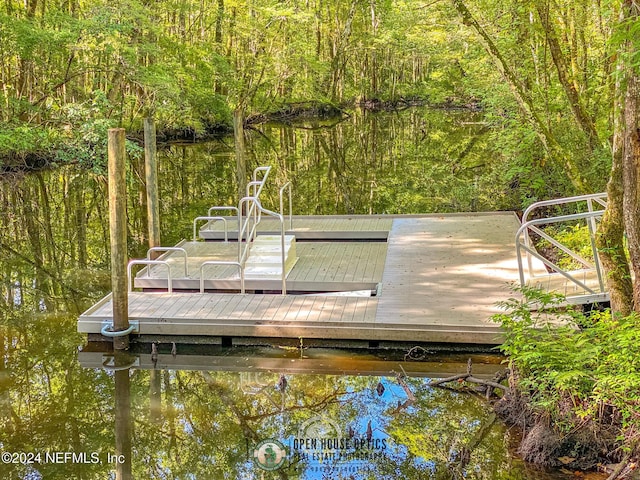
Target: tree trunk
(523, 98)
(610, 237)
(575, 102)
(623, 205)
(631, 175)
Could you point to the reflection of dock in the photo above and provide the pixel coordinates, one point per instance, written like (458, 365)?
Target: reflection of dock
(263, 363)
(431, 278)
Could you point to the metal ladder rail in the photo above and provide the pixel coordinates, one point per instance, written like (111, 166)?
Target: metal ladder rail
(169, 249)
(132, 263)
(257, 186)
(282, 189)
(221, 262)
(255, 204)
(209, 219)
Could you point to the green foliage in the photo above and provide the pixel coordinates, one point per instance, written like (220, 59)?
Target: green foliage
(562, 354)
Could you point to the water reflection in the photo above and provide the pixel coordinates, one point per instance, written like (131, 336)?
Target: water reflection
(197, 415)
(143, 418)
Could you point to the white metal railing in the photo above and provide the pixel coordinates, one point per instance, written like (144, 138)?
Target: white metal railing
(220, 262)
(249, 213)
(524, 244)
(169, 249)
(208, 219)
(149, 263)
(248, 233)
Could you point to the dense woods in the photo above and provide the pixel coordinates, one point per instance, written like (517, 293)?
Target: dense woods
(543, 71)
(556, 82)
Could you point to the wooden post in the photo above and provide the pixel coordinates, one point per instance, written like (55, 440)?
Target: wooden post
(118, 234)
(122, 457)
(151, 177)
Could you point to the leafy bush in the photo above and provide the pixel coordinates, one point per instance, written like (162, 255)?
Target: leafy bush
(563, 354)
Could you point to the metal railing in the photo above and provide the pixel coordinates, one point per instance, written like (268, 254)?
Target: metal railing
(209, 219)
(169, 249)
(249, 214)
(524, 243)
(221, 262)
(149, 263)
(248, 233)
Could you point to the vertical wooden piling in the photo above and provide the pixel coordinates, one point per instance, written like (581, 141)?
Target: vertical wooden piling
(151, 177)
(122, 458)
(118, 233)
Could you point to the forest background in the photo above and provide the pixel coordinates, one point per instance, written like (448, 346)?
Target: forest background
(542, 71)
(557, 82)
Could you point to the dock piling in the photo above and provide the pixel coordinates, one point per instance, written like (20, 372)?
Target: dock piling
(118, 234)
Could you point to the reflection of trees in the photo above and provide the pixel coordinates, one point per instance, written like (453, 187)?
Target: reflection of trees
(446, 436)
(415, 161)
(54, 245)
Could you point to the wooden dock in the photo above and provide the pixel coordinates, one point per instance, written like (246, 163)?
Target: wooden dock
(418, 278)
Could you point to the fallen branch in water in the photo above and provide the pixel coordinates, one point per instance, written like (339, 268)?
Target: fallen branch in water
(468, 377)
(411, 398)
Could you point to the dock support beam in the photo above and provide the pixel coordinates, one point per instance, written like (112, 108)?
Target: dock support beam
(118, 234)
(151, 181)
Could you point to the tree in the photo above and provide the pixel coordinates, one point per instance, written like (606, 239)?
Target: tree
(622, 215)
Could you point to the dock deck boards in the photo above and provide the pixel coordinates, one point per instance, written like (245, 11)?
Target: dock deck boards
(440, 276)
(310, 227)
(321, 266)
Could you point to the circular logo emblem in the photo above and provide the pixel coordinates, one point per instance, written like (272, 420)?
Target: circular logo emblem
(320, 427)
(269, 455)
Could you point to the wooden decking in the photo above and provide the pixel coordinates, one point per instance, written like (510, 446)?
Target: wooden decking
(321, 267)
(311, 227)
(437, 278)
(574, 293)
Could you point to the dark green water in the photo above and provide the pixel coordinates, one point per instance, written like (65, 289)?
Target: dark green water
(66, 413)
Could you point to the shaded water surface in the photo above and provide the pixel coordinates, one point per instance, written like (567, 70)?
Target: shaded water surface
(218, 413)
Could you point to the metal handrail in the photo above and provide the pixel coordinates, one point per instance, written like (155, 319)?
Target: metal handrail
(532, 225)
(597, 197)
(213, 209)
(149, 263)
(208, 218)
(285, 186)
(242, 256)
(266, 171)
(600, 198)
(221, 262)
(169, 249)
(248, 224)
